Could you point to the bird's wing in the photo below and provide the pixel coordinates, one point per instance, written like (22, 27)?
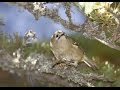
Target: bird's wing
(75, 44)
(71, 41)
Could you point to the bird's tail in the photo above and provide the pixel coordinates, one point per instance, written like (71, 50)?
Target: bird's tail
(90, 63)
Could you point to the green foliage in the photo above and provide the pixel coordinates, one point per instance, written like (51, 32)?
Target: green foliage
(100, 14)
(106, 58)
(115, 5)
(12, 43)
(39, 47)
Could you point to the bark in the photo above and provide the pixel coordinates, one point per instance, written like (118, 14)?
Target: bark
(38, 69)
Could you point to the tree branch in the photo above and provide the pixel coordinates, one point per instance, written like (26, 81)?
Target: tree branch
(88, 29)
(39, 67)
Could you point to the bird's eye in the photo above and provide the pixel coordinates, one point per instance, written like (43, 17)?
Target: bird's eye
(56, 35)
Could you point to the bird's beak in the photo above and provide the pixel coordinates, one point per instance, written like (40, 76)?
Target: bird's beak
(62, 34)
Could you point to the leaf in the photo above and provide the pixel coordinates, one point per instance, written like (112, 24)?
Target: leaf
(114, 5)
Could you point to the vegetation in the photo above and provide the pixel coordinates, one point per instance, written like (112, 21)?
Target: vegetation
(106, 58)
(12, 43)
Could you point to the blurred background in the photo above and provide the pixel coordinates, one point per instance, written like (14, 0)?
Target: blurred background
(19, 20)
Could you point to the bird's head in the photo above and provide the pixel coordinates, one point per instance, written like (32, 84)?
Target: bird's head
(57, 37)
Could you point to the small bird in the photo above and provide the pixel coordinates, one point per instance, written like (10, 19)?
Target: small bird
(30, 33)
(66, 50)
(29, 38)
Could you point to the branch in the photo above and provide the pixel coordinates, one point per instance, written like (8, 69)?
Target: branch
(88, 29)
(68, 12)
(39, 67)
(52, 14)
(55, 17)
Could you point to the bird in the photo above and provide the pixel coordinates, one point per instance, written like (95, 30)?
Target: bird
(29, 38)
(30, 33)
(66, 50)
